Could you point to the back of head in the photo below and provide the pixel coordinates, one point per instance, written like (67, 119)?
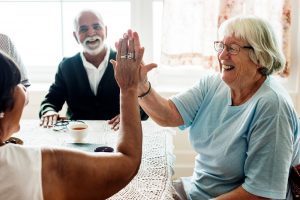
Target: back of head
(260, 35)
(9, 77)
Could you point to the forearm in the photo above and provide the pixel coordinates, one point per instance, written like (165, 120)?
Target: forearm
(130, 137)
(161, 110)
(239, 194)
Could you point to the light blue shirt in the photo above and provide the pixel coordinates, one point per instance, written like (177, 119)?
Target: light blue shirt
(252, 145)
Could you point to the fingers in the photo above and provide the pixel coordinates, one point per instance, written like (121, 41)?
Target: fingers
(131, 49)
(114, 63)
(113, 119)
(124, 47)
(119, 50)
(49, 119)
(115, 122)
(116, 127)
(150, 66)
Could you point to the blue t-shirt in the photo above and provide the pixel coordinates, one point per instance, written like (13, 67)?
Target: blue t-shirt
(251, 145)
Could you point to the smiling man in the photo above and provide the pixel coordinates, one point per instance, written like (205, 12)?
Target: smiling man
(85, 81)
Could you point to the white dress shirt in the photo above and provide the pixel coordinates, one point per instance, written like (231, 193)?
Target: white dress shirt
(95, 74)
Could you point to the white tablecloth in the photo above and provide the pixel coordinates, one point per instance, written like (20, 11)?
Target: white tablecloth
(153, 180)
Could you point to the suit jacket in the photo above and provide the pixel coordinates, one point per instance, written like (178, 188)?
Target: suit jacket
(72, 86)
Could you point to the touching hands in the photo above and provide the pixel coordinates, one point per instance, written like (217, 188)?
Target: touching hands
(128, 63)
(142, 69)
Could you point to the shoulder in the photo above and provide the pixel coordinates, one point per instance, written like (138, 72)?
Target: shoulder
(209, 82)
(273, 93)
(273, 99)
(74, 58)
(68, 62)
(19, 153)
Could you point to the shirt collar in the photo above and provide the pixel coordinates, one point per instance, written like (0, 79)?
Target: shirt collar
(102, 65)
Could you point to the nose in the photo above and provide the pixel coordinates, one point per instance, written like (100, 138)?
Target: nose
(224, 54)
(91, 31)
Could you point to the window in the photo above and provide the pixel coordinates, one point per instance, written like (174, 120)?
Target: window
(43, 30)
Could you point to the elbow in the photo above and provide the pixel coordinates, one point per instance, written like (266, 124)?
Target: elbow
(132, 166)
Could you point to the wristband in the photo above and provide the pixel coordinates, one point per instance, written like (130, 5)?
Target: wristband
(147, 92)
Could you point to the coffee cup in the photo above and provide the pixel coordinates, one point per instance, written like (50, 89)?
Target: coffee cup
(77, 131)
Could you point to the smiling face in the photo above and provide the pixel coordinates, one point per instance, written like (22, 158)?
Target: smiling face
(90, 33)
(238, 70)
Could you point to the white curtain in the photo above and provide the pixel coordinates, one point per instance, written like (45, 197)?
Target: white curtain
(190, 27)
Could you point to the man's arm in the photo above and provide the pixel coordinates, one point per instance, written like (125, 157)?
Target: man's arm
(54, 101)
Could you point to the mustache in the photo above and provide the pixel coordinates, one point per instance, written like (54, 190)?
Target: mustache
(92, 38)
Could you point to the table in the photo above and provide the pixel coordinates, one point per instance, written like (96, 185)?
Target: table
(153, 180)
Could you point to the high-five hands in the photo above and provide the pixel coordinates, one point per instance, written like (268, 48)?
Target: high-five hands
(144, 68)
(127, 67)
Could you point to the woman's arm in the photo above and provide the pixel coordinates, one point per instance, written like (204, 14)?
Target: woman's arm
(161, 110)
(77, 175)
(239, 194)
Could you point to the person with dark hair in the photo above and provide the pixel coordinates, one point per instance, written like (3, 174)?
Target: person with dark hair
(242, 122)
(85, 81)
(35, 173)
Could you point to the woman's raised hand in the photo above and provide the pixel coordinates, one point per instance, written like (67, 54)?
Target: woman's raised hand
(131, 53)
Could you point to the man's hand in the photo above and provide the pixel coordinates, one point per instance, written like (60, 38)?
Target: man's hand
(115, 123)
(49, 119)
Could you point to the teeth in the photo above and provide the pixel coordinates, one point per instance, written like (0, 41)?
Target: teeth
(227, 67)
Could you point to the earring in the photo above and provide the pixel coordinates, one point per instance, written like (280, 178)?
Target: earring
(1, 115)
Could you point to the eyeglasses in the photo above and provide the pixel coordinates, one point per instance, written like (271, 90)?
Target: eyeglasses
(62, 124)
(233, 49)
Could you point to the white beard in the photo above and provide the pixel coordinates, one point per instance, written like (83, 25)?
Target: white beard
(94, 49)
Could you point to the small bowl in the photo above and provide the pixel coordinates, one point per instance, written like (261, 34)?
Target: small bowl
(77, 131)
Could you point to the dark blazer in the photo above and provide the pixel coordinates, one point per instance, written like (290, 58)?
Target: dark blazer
(72, 86)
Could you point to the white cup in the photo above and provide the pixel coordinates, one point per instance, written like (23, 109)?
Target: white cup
(77, 131)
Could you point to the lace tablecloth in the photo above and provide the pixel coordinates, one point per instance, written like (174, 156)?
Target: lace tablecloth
(153, 180)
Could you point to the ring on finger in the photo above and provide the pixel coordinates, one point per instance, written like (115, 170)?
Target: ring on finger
(130, 56)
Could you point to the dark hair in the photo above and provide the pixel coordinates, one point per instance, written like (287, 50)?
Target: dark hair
(9, 77)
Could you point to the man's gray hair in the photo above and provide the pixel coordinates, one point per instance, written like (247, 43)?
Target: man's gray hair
(86, 11)
(260, 35)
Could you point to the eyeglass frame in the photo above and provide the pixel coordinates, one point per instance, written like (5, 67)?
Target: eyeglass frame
(228, 47)
(62, 124)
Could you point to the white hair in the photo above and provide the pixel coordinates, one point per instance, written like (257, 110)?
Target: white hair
(86, 11)
(260, 35)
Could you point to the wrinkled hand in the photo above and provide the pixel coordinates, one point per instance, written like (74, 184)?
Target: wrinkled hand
(49, 119)
(143, 69)
(127, 68)
(115, 123)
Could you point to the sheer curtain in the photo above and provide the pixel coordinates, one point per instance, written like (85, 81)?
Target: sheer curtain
(190, 27)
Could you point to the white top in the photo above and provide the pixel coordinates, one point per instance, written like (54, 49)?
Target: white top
(95, 74)
(20, 173)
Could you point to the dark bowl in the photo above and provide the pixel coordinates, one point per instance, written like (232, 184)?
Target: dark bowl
(104, 149)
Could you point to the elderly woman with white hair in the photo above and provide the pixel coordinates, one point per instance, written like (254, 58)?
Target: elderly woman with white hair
(242, 122)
